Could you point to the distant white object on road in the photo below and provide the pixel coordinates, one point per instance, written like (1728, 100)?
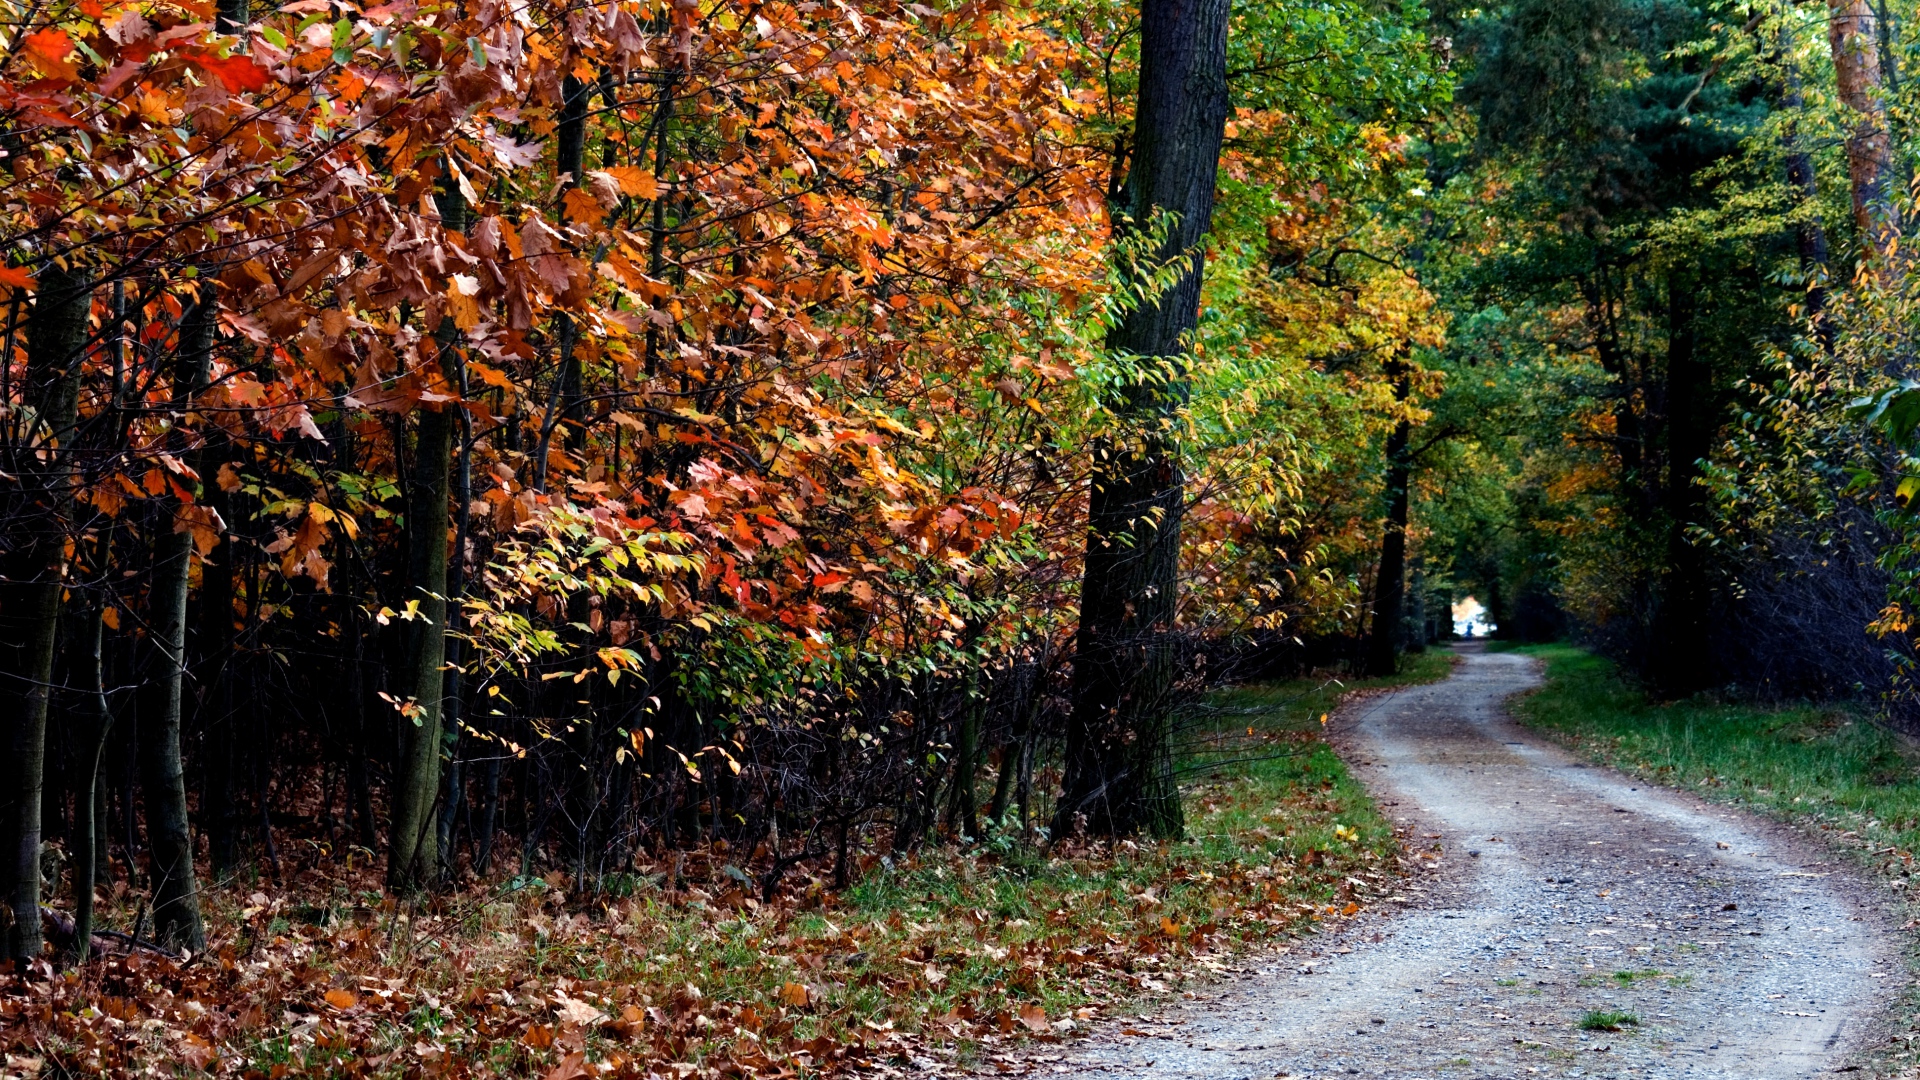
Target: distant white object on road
(1470, 619)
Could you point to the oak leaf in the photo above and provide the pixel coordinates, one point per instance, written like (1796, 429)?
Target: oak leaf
(49, 50)
(634, 181)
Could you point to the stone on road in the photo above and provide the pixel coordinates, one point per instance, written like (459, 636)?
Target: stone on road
(1552, 890)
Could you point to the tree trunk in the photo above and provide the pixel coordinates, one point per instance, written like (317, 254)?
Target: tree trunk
(1389, 585)
(1119, 765)
(91, 682)
(1852, 31)
(176, 899)
(1678, 664)
(963, 816)
(413, 856)
(56, 335)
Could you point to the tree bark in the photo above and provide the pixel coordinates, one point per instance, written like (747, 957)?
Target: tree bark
(1119, 766)
(56, 336)
(176, 894)
(1389, 585)
(413, 858)
(1853, 34)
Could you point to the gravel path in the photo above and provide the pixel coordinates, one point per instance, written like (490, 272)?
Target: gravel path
(1554, 889)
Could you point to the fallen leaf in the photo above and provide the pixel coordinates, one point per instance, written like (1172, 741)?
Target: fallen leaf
(575, 1012)
(794, 995)
(342, 999)
(571, 1067)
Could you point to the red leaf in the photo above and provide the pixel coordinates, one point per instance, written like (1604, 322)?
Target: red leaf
(15, 278)
(236, 73)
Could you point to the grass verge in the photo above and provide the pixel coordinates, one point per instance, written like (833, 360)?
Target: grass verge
(1827, 768)
(929, 963)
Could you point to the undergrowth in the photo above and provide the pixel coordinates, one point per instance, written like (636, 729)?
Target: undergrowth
(927, 963)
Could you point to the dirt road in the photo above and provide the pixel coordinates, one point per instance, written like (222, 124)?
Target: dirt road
(1558, 890)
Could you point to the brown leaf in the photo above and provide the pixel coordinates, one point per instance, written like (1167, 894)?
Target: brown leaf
(795, 995)
(1034, 1018)
(571, 1067)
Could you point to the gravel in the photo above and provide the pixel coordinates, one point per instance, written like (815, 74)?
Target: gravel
(1549, 890)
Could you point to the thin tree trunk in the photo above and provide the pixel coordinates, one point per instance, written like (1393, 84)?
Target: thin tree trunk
(1389, 585)
(176, 894)
(56, 334)
(1119, 766)
(1853, 34)
(90, 681)
(413, 858)
(1012, 756)
(1810, 236)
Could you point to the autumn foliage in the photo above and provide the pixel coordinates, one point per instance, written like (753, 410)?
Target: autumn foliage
(531, 442)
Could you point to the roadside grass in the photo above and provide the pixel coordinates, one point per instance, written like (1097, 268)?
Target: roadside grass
(1827, 766)
(948, 956)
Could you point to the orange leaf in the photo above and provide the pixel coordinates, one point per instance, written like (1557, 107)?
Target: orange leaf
(636, 182)
(1034, 1018)
(582, 207)
(795, 995)
(49, 50)
(15, 278)
(342, 999)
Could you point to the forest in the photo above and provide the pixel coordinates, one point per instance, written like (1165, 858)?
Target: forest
(660, 452)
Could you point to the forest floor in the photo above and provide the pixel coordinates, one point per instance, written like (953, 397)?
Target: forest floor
(1572, 920)
(943, 962)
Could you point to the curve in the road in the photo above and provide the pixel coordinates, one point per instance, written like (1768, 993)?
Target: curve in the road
(1563, 890)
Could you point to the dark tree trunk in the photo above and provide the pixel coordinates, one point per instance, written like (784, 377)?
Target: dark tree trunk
(30, 603)
(97, 721)
(1389, 585)
(1119, 765)
(413, 859)
(1678, 664)
(176, 894)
